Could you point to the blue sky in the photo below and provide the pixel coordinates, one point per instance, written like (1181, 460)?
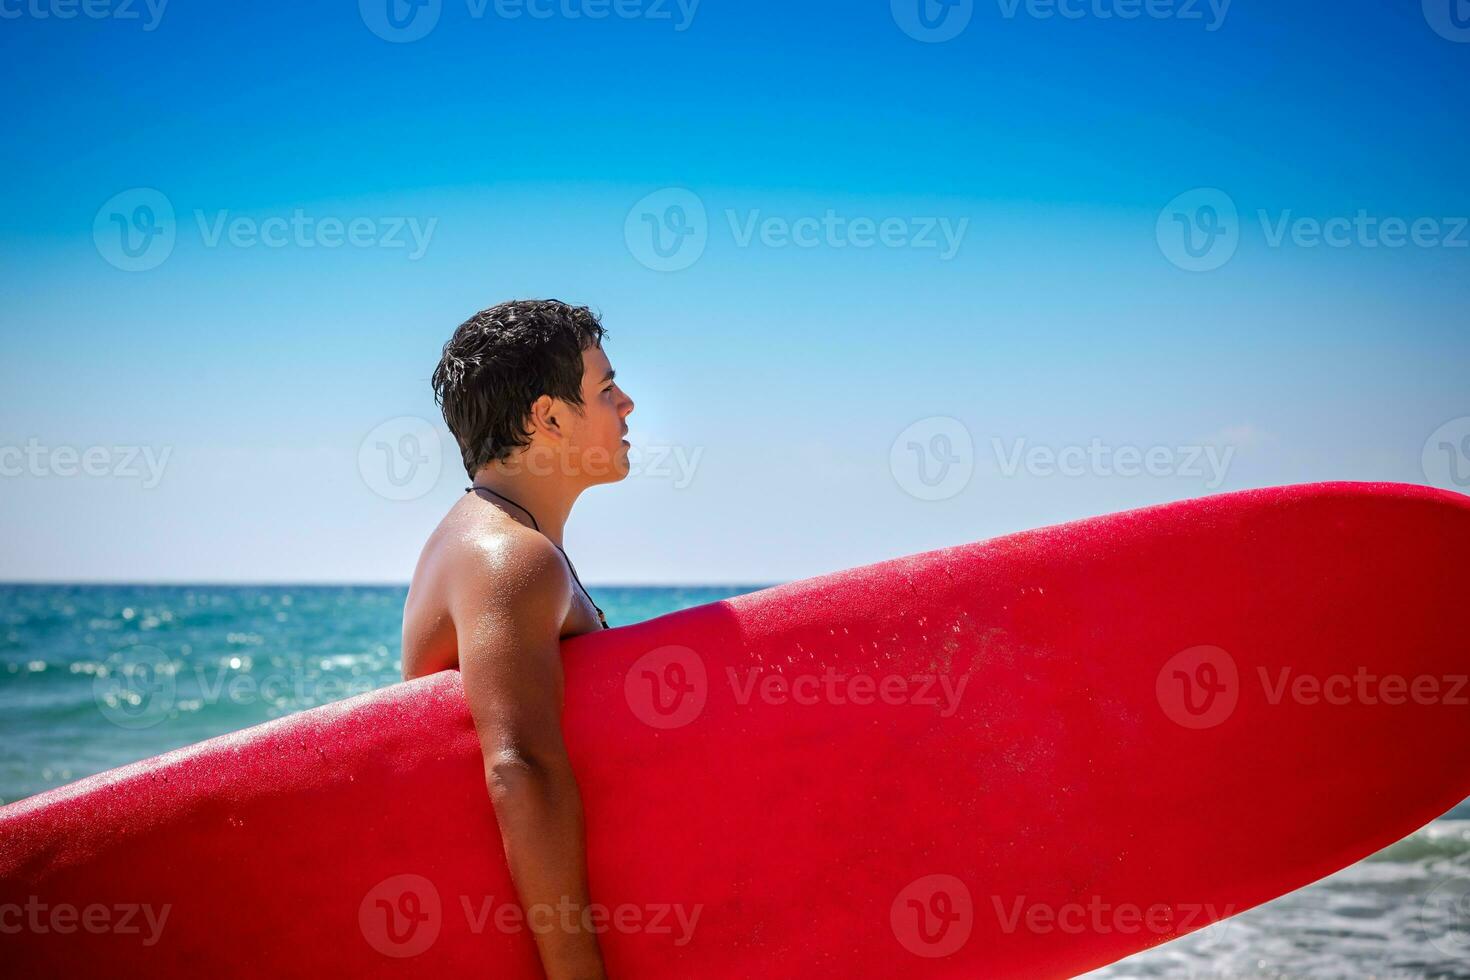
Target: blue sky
(253, 360)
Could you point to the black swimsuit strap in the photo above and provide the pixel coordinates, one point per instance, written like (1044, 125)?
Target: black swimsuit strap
(600, 616)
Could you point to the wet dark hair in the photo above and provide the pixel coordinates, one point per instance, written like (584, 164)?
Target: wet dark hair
(500, 361)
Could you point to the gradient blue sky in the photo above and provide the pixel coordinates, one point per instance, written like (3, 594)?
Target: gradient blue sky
(791, 371)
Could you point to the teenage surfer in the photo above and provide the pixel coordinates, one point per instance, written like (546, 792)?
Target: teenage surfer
(529, 394)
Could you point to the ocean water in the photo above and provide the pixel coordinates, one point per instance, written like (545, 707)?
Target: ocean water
(77, 664)
(81, 665)
(1400, 914)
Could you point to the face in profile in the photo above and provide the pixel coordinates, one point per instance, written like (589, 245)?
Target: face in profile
(597, 442)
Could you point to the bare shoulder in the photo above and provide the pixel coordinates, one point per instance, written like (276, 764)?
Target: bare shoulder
(475, 575)
(510, 565)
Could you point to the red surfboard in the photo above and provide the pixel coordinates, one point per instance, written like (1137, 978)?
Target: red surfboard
(1023, 757)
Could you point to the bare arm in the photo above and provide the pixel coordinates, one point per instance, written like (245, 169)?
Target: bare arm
(510, 659)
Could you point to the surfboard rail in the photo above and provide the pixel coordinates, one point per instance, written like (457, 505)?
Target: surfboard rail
(1028, 756)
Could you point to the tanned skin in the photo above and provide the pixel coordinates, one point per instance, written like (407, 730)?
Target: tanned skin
(492, 598)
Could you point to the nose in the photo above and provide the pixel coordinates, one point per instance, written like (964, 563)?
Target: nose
(627, 405)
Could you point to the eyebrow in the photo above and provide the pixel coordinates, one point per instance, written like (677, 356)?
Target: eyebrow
(607, 377)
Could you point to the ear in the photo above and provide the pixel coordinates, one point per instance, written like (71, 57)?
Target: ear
(543, 416)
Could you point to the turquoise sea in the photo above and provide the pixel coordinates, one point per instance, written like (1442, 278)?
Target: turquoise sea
(234, 656)
(72, 656)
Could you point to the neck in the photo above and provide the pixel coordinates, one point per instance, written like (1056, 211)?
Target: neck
(548, 498)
